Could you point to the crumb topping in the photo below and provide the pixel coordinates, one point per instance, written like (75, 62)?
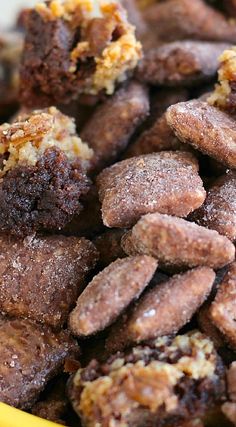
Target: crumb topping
(226, 75)
(25, 141)
(106, 38)
(146, 382)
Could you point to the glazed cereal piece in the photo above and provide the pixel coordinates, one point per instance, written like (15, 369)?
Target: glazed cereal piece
(109, 129)
(163, 383)
(110, 292)
(208, 328)
(206, 128)
(41, 277)
(219, 210)
(224, 95)
(223, 308)
(157, 314)
(181, 63)
(42, 171)
(109, 247)
(166, 182)
(183, 19)
(73, 48)
(159, 137)
(54, 405)
(178, 243)
(229, 410)
(11, 45)
(230, 7)
(30, 356)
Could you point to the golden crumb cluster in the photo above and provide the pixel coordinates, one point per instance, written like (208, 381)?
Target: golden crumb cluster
(226, 75)
(116, 58)
(25, 140)
(148, 385)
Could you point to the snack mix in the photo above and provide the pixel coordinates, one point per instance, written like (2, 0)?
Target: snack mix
(118, 213)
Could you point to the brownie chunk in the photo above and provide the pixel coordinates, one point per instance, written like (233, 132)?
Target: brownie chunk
(43, 172)
(206, 128)
(173, 20)
(166, 182)
(219, 210)
(41, 277)
(163, 383)
(109, 129)
(181, 63)
(156, 313)
(30, 356)
(73, 48)
(178, 243)
(110, 292)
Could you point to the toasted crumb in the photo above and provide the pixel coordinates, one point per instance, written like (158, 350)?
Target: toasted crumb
(30, 136)
(226, 76)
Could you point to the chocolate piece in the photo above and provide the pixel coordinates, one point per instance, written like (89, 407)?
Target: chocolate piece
(219, 211)
(223, 308)
(109, 129)
(178, 243)
(41, 277)
(42, 172)
(110, 292)
(73, 48)
(150, 183)
(156, 313)
(30, 356)
(173, 20)
(206, 128)
(163, 383)
(181, 63)
(109, 247)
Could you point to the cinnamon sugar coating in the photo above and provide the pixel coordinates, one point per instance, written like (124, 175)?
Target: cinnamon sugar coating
(156, 313)
(178, 243)
(211, 131)
(41, 277)
(110, 128)
(109, 247)
(110, 292)
(30, 356)
(166, 182)
(180, 63)
(165, 382)
(219, 209)
(73, 48)
(223, 308)
(183, 19)
(159, 137)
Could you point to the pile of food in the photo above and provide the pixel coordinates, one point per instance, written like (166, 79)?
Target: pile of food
(118, 213)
